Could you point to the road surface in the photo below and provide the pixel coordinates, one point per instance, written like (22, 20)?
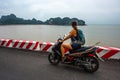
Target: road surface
(18, 64)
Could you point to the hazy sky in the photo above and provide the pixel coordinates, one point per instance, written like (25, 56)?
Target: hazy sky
(92, 11)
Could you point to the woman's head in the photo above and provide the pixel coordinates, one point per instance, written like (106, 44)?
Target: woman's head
(74, 25)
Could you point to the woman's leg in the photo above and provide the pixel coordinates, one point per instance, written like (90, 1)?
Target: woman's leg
(63, 46)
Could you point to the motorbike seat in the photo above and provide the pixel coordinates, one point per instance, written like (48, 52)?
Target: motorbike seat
(79, 50)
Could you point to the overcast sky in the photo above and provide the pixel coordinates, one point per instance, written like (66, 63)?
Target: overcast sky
(92, 11)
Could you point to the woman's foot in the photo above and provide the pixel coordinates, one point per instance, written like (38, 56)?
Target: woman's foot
(63, 59)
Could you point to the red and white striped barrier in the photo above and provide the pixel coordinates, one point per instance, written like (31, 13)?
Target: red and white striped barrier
(46, 46)
(6, 42)
(109, 52)
(104, 52)
(23, 44)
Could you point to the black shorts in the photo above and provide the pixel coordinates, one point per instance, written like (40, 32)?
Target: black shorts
(75, 46)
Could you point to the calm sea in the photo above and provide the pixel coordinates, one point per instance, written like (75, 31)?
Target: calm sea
(108, 35)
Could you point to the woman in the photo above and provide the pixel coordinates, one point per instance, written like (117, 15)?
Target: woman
(74, 38)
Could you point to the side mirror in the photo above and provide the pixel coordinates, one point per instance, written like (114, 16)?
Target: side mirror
(59, 36)
(64, 36)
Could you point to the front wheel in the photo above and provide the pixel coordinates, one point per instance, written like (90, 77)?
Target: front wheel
(54, 60)
(91, 65)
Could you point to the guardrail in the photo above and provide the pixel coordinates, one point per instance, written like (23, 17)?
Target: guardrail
(104, 52)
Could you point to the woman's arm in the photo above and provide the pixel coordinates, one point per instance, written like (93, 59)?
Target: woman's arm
(72, 33)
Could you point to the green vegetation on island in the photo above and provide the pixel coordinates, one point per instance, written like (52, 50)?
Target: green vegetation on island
(12, 19)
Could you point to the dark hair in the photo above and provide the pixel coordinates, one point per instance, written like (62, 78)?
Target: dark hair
(74, 23)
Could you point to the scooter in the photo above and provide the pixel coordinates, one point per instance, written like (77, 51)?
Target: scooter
(85, 57)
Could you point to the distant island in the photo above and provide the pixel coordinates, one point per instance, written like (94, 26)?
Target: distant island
(12, 19)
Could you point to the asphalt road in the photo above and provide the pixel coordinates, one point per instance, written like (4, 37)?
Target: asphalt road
(18, 64)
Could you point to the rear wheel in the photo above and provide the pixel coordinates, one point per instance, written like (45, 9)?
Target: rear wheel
(54, 60)
(91, 64)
